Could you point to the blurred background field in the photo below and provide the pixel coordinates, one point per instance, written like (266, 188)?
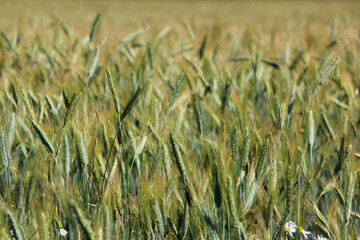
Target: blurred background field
(119, 15)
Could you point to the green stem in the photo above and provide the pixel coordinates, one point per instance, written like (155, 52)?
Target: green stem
(129, 176)
(302, 147)
(287, 126)
(7, 172)
(112, 146)
(299, 192)
(307, 113)
(59, 142)
(58, 169)
(346, 228)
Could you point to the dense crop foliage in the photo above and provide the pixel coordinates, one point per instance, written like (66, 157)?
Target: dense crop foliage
(180, 132)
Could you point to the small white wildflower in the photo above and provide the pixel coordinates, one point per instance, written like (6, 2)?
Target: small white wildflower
(290, 227)
(305, 233)
(63, 232)
(86, 39)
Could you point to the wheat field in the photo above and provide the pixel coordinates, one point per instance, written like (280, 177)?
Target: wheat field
(179, 120)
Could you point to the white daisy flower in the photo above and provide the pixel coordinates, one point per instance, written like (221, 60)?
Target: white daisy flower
(63, 232)
(305, 233)
(86, 40)
(320, 238)
(290, 227)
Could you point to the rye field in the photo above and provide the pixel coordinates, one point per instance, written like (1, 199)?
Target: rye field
(179, 120)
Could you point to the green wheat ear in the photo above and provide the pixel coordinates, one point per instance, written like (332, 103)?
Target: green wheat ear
(25, 99)
(81, 150)
(19, 193)
(177, 157)
(233, 210)
(175, 92)
(234, 145)
(155, 165)
(135, 98)
(84, 223)
(197, 110)
(157, 212)
(67, 162)
(113, 92)
(43, 138)
(4, 152)
(279, 113)
(280, 226)
(148, 232)
(185, 223)
(225, 97)
(216, 183)
(95, 27)
(264, 152)
(150, 55)
(210, 227)
(13, 227)
(71, 108)
(107, 223)
(31, 185)
(349, 196)
(326, 74)
(245, 148)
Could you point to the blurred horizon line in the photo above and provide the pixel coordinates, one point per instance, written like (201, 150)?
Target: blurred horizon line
(169, 1)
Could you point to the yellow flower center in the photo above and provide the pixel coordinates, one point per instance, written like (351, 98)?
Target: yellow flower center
(301, 229)
(287, 229)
